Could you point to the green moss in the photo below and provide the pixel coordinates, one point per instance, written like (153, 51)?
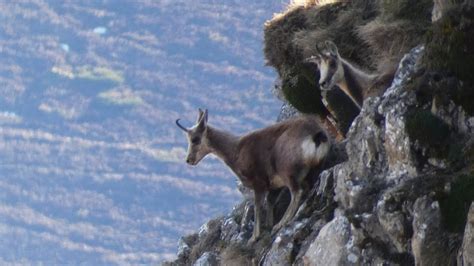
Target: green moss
(464, 96)
(300, 90)
(455, 152)
(446, 49)
(469, 155)
(455, 205)
(450, 50)
(430, 131)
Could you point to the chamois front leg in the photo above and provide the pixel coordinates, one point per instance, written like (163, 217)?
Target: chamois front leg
(296, 195)
(258, 197)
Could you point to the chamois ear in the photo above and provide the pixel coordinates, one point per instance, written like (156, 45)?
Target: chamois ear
(332, 48)
(199, 115)
(202, 121)
(205, 115)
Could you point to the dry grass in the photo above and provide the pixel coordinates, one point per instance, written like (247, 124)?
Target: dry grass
(308, 3)
(279, 49)
(369, 33)
(292, 36)
(388, 41)
(337, 23)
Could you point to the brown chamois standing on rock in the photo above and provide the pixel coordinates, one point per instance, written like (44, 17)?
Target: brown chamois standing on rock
(277, 156)
(357, 84)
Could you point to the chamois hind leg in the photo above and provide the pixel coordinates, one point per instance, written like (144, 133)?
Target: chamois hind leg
(296, 194)
(258, 197)
(269, 210)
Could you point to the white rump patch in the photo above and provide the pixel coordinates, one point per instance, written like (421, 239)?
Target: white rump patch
(309, 149)
(311, 153)
(323, 150)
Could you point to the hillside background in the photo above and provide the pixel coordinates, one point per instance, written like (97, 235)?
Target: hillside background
(91, 163)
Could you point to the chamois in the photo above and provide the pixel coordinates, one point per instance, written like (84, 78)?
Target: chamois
(280, 155)
(357, 84)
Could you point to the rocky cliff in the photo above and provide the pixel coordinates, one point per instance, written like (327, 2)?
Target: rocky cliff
(399, 189)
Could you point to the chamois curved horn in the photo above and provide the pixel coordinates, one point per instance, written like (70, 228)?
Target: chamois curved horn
(180, 126)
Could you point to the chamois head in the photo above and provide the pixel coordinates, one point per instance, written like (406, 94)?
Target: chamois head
(329, 64)
(197, 142)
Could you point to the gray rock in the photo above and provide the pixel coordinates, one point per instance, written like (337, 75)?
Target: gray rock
(334, 245)
(429, 242)
(287, 111)
(185, 244)
(378, 146)
(280, 252)
(466, 257)
(394, 106)
(298, 235)
(393, 224)
(183, 248)
(207, 259)
(230, 229)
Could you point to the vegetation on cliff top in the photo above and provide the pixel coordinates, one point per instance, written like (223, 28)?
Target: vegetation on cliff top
(371, 34)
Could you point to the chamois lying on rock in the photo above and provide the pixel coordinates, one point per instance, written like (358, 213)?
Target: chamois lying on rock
(280, 155)
(357, 84)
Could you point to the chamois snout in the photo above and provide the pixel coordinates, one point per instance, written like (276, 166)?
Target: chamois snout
(197, 150)
(195, 156)
(190, 161)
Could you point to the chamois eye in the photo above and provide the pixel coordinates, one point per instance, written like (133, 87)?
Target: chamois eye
(332, 64)
(195, 140)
